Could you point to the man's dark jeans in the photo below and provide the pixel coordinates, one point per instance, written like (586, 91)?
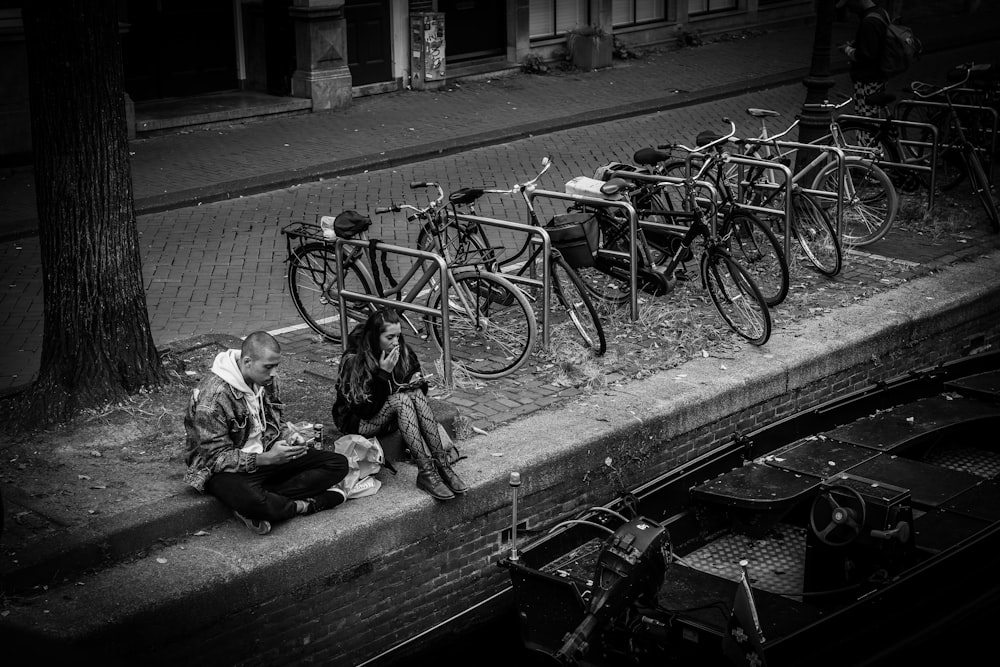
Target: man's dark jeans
(269, 492)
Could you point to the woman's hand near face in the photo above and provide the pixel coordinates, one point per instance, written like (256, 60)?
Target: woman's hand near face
(389, 359)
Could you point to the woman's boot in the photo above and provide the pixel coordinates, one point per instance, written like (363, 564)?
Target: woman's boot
(428, 479)
(449, 476)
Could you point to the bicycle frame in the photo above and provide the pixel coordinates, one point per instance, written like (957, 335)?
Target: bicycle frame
(953, 118)
(633, 220)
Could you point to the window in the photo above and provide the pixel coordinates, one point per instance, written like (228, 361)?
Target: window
(706, 6)
(548, 18)
(630, 12)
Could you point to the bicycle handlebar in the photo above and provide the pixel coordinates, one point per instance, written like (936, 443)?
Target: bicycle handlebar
(521, 187)
(716, 142)
(930, 90)
(827, 105)
(434, 203)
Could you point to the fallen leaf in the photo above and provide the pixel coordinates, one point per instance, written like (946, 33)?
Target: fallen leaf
(201, 533)
(161, 561)
(478, 430)
(98, 486)
(82, 477)
(496, 454)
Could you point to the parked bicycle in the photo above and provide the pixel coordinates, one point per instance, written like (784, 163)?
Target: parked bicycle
(742, 234)
(733, 290)
(468, 241)
(491, 324)
(972, 104)
(962, 146)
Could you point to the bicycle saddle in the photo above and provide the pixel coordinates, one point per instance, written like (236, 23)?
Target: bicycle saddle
(882, 99)
(980, 72)
(349, 224)
(707, 137)
(761, 113)
(465, 196)
(650, 156)
(614, 186)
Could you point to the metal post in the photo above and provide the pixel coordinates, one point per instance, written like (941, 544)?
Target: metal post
(515, 481)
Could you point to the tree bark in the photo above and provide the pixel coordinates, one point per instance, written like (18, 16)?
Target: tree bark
(97, 344)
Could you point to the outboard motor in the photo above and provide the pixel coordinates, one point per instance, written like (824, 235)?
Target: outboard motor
(631, 565)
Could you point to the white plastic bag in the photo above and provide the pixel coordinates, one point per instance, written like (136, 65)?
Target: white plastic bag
(365, 458)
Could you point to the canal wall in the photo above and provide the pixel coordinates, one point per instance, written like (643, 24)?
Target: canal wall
(343, 587)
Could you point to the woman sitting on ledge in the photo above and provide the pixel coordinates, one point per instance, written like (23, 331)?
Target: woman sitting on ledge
(381, 389)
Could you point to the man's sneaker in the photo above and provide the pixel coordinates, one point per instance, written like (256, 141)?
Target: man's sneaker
(366, 487)
(259, 526)
(326, 500)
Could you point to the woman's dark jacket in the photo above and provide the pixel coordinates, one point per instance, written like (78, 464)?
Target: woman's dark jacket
(347, 415)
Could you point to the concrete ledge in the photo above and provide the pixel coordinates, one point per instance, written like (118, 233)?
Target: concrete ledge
(340, 565)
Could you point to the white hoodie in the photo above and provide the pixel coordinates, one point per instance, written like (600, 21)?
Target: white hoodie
(227, 367)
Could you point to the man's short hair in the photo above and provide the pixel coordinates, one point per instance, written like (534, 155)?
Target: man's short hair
(257, 343)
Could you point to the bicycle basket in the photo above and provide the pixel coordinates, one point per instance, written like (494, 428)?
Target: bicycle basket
(346, 225)
(576, 237)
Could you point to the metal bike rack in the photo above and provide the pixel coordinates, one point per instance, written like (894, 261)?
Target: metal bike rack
(911, 166)
(791, 179)
(633, 222)
(394, 303)
(545, 282)
(990, 111)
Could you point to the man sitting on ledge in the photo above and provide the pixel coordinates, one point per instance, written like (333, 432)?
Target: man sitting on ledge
(240, 450)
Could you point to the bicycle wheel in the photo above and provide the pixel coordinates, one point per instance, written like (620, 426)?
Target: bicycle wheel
(815, 235)
(312, 282)
(736, 296)
(881, 146)
(607, 281)
(754, 246)
(573, 307)
(491, 324)
(870, 201)
(981, 186)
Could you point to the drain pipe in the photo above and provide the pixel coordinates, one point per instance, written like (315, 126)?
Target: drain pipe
(515, 481)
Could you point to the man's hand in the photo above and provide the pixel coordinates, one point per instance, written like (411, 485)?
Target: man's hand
(281, 452)
(295, 438)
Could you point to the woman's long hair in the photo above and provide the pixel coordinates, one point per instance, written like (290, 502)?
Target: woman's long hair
(360, 362)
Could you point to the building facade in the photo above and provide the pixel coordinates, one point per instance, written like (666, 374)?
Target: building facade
(330, 51)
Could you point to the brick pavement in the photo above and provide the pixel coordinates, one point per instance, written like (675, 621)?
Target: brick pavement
(217, 267)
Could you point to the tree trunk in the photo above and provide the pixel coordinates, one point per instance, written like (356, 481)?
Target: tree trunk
(97, 345)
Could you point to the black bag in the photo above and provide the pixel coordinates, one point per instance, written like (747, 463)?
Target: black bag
(901, 47)
(576, 237)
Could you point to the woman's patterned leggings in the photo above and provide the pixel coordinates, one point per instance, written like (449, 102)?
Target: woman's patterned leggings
(411, 413)
(861, 106)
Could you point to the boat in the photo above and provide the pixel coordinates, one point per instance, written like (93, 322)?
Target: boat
(833, 536)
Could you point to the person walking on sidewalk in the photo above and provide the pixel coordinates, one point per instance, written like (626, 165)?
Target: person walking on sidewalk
(381, 388)
(241, 450)
(864, 53)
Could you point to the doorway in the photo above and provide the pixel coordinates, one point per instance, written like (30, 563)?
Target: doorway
(369, 41)
(178, 48)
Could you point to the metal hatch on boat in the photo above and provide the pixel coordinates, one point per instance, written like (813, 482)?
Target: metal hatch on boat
(984, 386)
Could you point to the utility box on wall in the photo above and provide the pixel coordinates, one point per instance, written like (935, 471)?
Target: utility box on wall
(427, 50)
